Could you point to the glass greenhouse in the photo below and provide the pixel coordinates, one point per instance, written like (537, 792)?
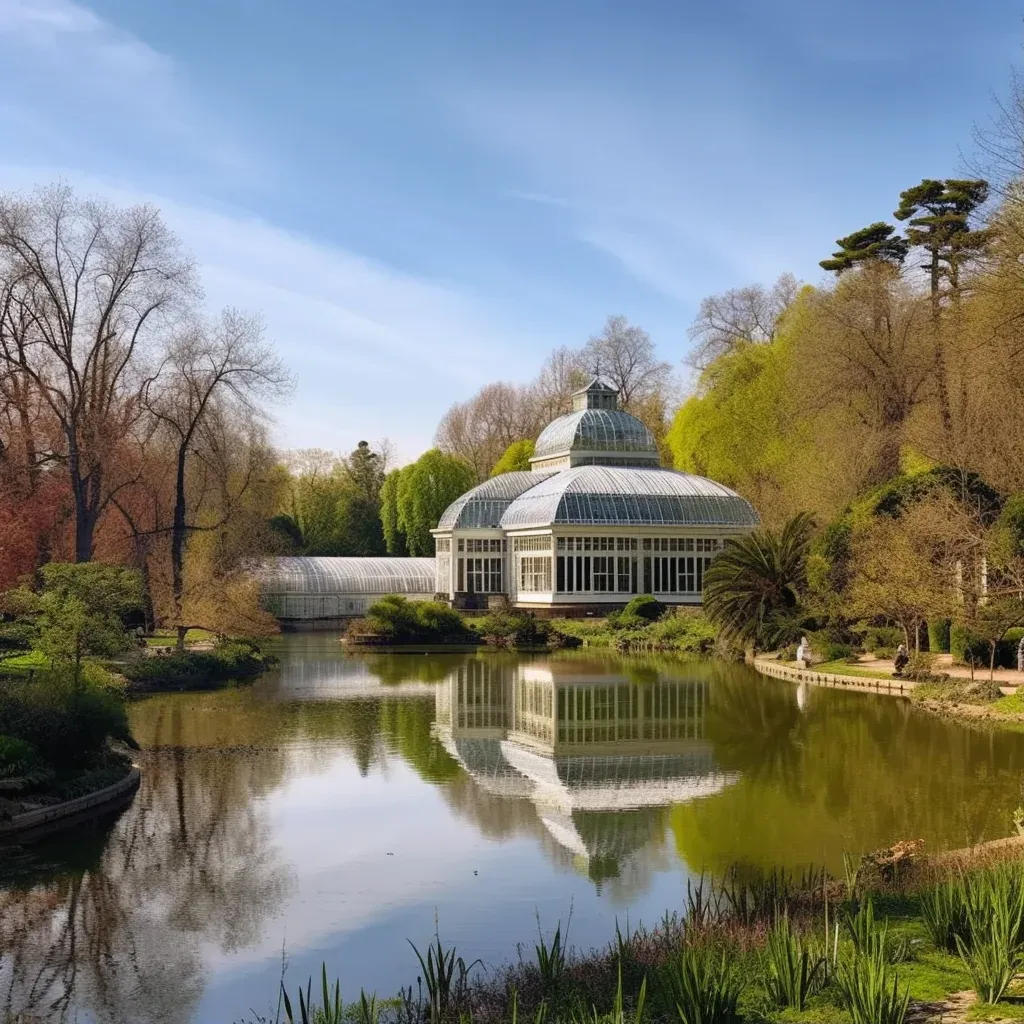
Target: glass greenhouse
(595, 521)
(311, 589)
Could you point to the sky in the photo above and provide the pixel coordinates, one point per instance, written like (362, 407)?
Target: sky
(422, 198)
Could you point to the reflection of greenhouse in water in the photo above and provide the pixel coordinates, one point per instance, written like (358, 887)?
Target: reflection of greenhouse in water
(600, 757)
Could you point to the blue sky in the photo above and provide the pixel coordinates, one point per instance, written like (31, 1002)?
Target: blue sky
(423, 197)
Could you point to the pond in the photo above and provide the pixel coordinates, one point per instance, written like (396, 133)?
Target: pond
(343, 804)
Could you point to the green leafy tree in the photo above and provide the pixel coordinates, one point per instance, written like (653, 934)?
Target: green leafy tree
(359, 510)
(753, 589)
(425, 489)
(938, 216)
(877, 242)
(394, 535)
(516, 458)
(81, 611)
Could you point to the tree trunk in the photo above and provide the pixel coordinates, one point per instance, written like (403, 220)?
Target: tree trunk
(178, 531)
(86, 511)
(941, 384)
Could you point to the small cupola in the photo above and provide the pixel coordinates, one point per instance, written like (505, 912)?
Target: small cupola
(596, 395)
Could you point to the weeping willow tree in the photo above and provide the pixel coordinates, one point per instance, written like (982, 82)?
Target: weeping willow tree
(752, 590)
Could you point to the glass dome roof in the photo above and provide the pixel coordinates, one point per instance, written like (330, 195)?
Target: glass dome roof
(485, 504)
(620, 496)
(310, 575)
(595, 430)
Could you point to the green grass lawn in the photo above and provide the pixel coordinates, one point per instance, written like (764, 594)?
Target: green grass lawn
(18, 663)
(1012, 705)
(170, 639)
(842, 668)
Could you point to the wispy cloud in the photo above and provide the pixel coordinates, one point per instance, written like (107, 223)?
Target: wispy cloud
(638, 182)
(109, 91)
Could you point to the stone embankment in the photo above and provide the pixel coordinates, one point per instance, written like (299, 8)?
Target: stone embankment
(45, 819)
(779, 670)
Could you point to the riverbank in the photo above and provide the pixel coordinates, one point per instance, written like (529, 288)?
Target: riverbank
(760, 948)
(34, 819)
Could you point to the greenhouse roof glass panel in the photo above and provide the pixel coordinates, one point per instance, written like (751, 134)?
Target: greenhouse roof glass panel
(347, 576)
(616, 496)
(597, 430)
(485, 504)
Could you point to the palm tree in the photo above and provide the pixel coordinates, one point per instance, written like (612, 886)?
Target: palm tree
(752, 589)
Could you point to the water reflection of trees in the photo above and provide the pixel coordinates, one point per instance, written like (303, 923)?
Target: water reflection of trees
(189, 864)
(835, 770)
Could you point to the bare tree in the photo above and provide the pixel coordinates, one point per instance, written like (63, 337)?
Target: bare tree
(749, 315)
(563, 372)
(624, 355)
(85, 287)
(480, 429)
(211, 370)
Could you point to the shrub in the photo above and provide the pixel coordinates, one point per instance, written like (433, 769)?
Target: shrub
(69, 724)
(882, 638)
(232, 659)
(16, 636)
(514, 629)
(920, 667)
(17, 757)
(440, 621)
(938, 636)
(645, 607)
(966, 647)
(394, 617)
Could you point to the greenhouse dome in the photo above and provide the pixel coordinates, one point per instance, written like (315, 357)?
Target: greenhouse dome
(485, 504)
(596, 430)
(595, 521)
(616, 496)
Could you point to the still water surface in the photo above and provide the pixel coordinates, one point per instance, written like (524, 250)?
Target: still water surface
(342, 804)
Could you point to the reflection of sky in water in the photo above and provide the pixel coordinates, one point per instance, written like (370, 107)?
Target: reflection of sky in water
(331, 812)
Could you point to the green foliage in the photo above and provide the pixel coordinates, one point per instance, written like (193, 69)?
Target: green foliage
(287, 534)
(966, 647)
(938, 636)
(736, 428)
(870, 990)
(230, 660)
(424, 490)
(81, 608)
(516, 457)
(337, 505)
(551, 962)
(514, 629)
(394, 535)
(397, 620)
(18, 757)
(702, 986)
(446, 978)
(17, 635)
(330, 1011)
(645, 606)
(67, 721)
(791, 970)
(877, 242)
(752, 590)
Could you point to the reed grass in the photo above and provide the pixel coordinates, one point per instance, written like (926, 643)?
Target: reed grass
(792, 970)
(702, 986)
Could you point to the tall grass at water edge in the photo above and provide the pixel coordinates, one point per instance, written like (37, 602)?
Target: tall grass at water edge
(748, 947)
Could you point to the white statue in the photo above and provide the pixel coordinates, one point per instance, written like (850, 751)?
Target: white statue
(803, 653)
